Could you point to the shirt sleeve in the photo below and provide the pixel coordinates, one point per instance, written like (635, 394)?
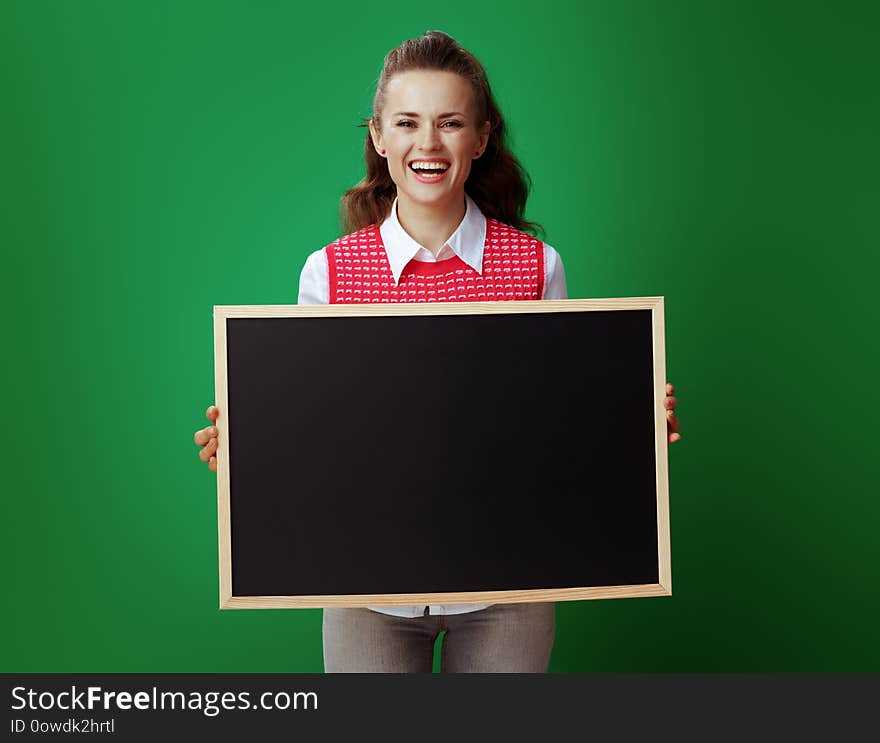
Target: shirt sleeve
(554, 275)
(314, 281)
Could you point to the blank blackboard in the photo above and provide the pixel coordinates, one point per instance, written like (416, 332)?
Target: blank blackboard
(441, 453)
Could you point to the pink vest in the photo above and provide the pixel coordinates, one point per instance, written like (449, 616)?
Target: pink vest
(513, 268)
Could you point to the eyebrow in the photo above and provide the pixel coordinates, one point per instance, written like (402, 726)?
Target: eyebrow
(416, 116)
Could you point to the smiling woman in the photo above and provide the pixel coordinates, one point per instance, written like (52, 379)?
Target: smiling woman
(430, 139)
(433, 103)
(437, 217)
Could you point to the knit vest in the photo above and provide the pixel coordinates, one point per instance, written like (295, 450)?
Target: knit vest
(513, 268)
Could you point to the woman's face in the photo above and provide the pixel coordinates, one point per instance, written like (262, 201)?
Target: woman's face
(429, 136)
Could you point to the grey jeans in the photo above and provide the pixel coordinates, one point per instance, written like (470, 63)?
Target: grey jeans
(503, 638)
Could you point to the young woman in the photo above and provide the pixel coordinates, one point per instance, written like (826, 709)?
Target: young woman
(438, 214)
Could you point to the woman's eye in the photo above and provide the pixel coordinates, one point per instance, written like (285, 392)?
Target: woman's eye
(447, 124)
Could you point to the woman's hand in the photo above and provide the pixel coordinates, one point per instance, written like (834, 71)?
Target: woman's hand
(207, 439)
(672, 424)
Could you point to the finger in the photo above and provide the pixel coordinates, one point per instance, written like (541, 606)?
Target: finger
(673, 437)
(212, 464)
(669, 388)
(203, 436)
(672, 423)
(670, 403)
(208, 451)
(211, 413)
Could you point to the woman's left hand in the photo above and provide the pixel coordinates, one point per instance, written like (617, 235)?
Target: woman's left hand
(672, 424)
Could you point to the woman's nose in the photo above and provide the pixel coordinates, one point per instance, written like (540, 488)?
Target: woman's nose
(430, 138)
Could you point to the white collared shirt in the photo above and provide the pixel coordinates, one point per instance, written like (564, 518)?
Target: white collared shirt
(467, 242)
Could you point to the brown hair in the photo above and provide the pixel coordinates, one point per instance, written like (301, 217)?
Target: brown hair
(497, 182)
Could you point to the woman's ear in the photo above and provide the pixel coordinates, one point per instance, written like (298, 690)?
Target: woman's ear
(377, 139)
(483, 140)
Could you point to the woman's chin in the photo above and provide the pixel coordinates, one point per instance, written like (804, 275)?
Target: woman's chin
(429, 194)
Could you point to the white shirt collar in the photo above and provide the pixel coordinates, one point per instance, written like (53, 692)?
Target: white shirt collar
(466, 242)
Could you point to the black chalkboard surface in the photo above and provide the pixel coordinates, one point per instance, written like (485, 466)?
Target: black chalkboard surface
(442, 453)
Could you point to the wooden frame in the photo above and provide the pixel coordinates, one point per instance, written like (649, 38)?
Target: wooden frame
(662, 588)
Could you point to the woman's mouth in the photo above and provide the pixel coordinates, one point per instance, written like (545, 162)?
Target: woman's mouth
(429, 171)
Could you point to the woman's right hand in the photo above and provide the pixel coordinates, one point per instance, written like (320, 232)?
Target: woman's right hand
(207, 439)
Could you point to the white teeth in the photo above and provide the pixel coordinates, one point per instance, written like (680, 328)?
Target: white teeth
(429, 166)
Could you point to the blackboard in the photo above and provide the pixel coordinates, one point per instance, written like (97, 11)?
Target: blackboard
(441, 453)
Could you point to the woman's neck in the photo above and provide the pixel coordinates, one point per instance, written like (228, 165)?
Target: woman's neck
(430, 226)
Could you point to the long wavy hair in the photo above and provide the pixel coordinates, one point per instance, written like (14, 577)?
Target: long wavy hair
(497, 182)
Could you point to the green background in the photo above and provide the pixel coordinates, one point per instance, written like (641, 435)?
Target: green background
(159, 158)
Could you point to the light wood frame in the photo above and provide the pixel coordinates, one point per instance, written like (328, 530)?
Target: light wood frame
(662, 588)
